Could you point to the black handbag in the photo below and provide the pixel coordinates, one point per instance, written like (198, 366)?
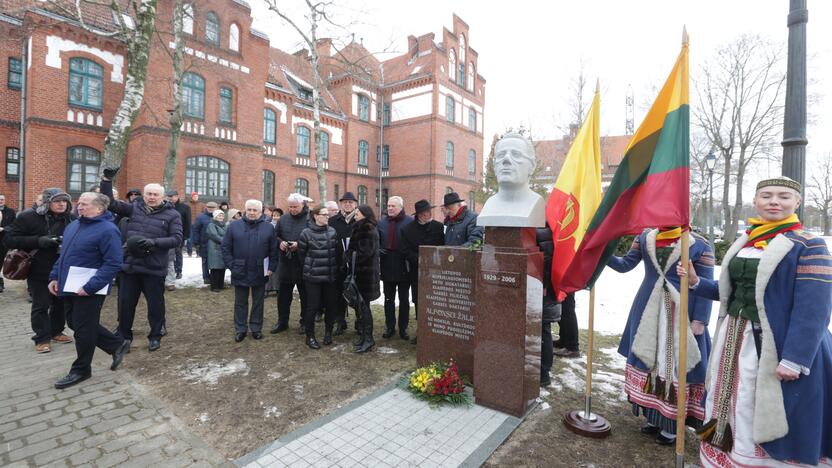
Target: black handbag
(351, 293)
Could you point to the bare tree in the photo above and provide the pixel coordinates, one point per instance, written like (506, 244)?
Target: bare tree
(820, 191)
(135, 23)
(176, 114)
(739, 109)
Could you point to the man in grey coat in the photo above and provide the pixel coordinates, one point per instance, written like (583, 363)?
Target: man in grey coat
(461, 223)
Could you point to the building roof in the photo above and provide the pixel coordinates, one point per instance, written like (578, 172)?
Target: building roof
(293, 72)
(552, 153)
(95, 15)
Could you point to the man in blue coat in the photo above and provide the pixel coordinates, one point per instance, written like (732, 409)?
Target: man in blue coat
(249, 250)
(93, 242)
(154, 227)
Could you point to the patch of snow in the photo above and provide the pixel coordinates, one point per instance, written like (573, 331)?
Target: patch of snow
(275, 376)
(544, 406)
(544, 393)
(203, 418)
(271, 412)
(615, 360)
(386, 350)
(298, 389)
(210, 372)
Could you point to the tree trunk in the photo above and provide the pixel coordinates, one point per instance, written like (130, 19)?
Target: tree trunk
(728, 234)
(176, 115)
(316, 111)
(115, 145)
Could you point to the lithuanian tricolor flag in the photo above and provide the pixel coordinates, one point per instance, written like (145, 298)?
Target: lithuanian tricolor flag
(651, 186)
(576, 194)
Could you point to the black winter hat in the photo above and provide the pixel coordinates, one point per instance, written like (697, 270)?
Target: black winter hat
(348, 196)
(451, 198)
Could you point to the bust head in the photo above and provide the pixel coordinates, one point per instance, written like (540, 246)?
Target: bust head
(514, 161)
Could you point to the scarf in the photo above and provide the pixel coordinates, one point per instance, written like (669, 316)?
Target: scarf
(459, 214)
(349, 216)
(392, 231)
(760, 231)
(668, 235)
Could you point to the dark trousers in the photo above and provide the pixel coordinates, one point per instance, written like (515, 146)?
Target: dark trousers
(177, 260)
(241, 312)
(322, 297)
(284, 301)
(84, 313)
(130, 287)
(189, 247)
(48, 318)
(218, 278)
(341, 309)
(546, 351)
(203, 255)
(568, 325)
(390, 288)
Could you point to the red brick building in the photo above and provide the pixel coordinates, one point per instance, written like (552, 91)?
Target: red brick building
(248, 110)
(552, 153)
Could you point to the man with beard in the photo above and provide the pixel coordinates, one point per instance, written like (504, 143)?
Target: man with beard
(342, 221)
(425, 231)
(40, 231)
(288, 231)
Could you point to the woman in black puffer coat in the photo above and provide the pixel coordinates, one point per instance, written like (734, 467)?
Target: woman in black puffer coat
(320, 252)
(364, 243)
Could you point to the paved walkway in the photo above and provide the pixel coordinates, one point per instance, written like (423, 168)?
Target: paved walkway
(105, 421)
(390, 428)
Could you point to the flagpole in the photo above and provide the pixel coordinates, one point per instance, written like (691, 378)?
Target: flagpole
(681, 389)
(584, 422)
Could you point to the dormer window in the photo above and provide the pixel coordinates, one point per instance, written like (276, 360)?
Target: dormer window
(212, 28)
(234, 37)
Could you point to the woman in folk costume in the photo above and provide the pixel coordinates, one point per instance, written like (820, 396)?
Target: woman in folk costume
(650, 339)
(770, 374)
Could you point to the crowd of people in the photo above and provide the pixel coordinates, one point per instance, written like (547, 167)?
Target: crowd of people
(757, 393)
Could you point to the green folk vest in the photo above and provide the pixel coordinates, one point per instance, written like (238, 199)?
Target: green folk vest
(743, 274)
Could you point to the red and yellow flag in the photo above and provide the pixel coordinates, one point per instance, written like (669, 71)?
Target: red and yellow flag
(576, 195)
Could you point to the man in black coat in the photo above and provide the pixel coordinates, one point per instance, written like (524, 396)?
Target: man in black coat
(185, 212)
(153, 228)
(394, 269)
(423, 231)
(287, 232)
(342, 223)
(198, 238)
(247, 244)
(7, 215)
(41, 230)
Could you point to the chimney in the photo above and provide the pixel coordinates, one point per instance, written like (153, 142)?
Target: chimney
(324, 47)
(425, 42)
(302, 54)
(412, 45)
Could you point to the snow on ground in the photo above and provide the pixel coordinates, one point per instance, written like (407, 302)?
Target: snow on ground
(211, 371)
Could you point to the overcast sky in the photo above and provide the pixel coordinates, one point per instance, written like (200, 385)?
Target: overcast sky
(529, 51)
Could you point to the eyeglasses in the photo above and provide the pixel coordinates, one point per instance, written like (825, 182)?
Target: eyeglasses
(322, 214)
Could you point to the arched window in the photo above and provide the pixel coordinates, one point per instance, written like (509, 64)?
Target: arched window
(471, 75)
(82, 169)
(450, 108)
(460, 77)
(207, 176)
(188, 18)
(302, 187)
(363, 153)
(449, 155)
(193, 95)
(269, 126)
(452, 65)
(234, 37)
(384, 158)
(363, 108)
(472, 119)
(303, 141)
(212, 28)
(226, 105)
(324, 145)
(461, 48)
(268, 188)
(472, 163)
(86, 83)
(362, 195)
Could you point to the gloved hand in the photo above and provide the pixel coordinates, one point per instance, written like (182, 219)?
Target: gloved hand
(110, 172)
(146, 244)
(48, 242)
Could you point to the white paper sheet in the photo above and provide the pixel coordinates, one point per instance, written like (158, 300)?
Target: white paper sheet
(266, 266)
(77, 277)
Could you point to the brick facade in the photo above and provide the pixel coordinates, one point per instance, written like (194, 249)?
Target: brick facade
(416, 86)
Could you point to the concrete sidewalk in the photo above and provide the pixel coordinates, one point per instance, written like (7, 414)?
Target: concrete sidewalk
(107, 420)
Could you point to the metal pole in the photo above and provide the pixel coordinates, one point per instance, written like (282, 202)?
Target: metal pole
(794, 119)
(21, 160)
(681, 378)
(711, 208)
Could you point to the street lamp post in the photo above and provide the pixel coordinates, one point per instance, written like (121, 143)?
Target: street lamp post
(794, 124)
(710, 163)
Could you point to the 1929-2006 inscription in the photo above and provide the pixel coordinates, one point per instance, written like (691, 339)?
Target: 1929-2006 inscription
(449, 305)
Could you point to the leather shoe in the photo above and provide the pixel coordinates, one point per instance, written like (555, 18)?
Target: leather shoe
(277, 328)
(328, 339)
(118, 355)
(662, 440)
(257, 335)
(302, 330)
(239, 337)
(649, 429)
(388, 333)
(312, 343)
(153, 345)
(71, 379)
(179, 276)
(403, 335)
(163, 331)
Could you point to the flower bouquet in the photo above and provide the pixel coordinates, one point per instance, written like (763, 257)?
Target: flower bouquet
(439, 383)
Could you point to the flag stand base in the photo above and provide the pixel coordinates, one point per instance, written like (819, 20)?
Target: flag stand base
(595, 426)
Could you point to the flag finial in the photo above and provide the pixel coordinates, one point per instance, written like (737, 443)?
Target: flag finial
(597, 85)
(684, 35)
